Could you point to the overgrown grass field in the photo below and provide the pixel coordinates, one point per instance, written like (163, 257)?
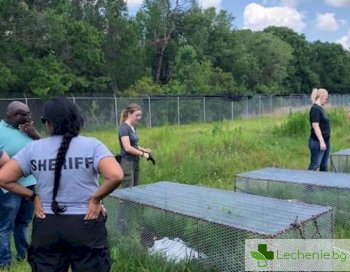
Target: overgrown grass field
(211, 154)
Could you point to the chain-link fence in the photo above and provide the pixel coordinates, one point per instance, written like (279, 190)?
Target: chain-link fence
(207, 226)
(104, 112)
(322, 188)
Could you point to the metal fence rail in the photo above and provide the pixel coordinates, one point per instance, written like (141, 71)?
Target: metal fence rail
(104, 112)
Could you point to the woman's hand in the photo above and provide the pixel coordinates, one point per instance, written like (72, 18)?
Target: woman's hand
(103, 210)
(147, 150)
(38, 208)
(94, 209)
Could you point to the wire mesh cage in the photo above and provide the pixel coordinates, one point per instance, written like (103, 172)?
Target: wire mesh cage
(322, 188)
(340, 161)
(207, 226)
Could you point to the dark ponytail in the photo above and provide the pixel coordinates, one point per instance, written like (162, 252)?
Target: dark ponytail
(63, 115)
(60, 160)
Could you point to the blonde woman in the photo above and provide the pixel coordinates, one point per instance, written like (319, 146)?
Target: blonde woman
(131, 152)
(319, 141)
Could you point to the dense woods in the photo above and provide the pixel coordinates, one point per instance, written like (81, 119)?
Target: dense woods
(50, 47)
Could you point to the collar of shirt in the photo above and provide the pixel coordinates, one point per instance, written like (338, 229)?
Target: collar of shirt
(7, 124)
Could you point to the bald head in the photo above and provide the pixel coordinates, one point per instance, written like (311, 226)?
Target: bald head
(17, 113)
(15, 107)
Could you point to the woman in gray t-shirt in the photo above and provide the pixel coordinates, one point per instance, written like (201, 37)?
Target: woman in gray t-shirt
(130, 151)
(69, 224)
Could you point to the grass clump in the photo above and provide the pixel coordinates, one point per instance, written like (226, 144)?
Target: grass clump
(296, 124)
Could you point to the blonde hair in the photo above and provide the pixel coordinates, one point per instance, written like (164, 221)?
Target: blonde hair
(131, 108)
(316, 93)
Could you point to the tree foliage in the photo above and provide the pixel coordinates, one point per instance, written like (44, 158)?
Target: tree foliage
(168, 47)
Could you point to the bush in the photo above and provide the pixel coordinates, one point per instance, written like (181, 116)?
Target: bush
(337, 117)
(297, 124)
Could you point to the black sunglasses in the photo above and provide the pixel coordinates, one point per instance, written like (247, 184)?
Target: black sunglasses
(43, 119)
(26, 114)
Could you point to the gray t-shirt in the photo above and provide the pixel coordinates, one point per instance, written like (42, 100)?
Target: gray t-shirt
(79, 178)
(125, 130)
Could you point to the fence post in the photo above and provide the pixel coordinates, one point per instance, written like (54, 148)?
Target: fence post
(73, 97)
(271, 110)
(178, 110)
(204, 117)
(281, 105)
(232, 110)
(246, 107)
(260, 106)
(298, 103)
(149, 111)
(25, 98)
(116, 111)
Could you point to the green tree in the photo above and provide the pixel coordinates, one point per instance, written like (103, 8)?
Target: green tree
(209, 33)
(45, 76)
(144, 86)
(260, 61)
(122, 49)
(7, 79)
(58, 46)
(199, 76)
(244, 65)
(300, 78)
(65, 54)
(160, 30)
(331, 63)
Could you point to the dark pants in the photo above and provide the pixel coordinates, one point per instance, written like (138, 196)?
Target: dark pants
(131, 171)
(60, 241)
(318, 158)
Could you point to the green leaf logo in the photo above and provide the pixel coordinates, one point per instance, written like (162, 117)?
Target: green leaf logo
(257, 256)
(262, 255)
(262, 262)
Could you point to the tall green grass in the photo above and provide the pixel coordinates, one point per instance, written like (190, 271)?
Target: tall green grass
(211, 154)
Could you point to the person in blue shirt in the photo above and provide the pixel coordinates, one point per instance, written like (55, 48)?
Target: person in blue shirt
(69, 229)
(16, 131)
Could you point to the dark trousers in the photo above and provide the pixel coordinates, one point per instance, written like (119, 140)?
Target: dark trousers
(131, 169)
(60, 241)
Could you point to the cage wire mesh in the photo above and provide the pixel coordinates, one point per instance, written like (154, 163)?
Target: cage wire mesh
(322, 188)
(210, 224)
(340, 161)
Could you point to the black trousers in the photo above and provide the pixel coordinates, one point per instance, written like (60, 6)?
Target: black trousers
(63, 241)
